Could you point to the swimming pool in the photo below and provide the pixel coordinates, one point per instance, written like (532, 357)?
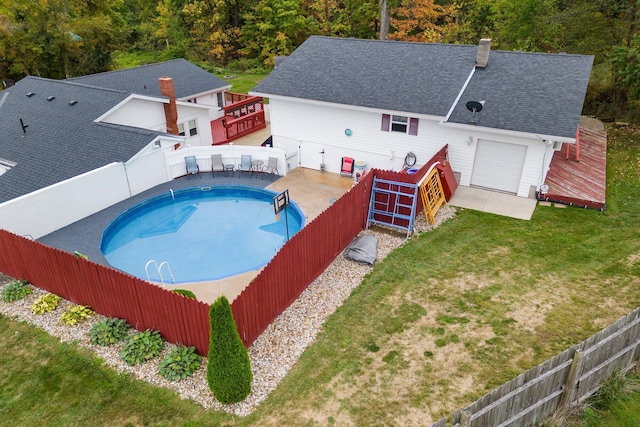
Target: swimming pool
(201, 233)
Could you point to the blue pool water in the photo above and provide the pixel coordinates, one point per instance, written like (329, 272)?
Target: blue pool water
(203, 233)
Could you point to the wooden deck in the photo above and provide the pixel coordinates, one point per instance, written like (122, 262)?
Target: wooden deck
(580, 183)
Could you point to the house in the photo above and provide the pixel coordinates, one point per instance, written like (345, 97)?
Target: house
(501, 113)
(69, 148)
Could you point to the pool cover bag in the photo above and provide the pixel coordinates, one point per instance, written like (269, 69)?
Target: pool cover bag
(363, 249)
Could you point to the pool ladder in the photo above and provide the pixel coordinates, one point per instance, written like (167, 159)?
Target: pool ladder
(158, 269)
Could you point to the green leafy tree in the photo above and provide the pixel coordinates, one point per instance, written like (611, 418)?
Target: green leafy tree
(59, 38)
(275, 27)
(215, 27)
(228, 370)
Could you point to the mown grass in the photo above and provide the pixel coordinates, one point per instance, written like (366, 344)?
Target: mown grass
(442, 320)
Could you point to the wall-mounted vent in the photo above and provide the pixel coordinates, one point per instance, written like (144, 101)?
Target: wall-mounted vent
(30, 94)
(73, 102)
(50, 98)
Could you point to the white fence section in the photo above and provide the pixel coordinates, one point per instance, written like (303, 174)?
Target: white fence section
(569, 378)
(44, 211)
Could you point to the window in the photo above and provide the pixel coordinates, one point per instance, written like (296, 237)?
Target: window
(191, 125)
(401, 124)
(220, 100)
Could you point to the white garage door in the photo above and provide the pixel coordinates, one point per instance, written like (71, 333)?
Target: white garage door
(498, 165)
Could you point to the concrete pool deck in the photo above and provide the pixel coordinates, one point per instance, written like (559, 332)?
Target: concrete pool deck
(311, 190)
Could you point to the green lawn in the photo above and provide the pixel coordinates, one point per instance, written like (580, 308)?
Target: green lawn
(440, 322)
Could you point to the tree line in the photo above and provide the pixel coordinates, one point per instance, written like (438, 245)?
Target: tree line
(60, 38)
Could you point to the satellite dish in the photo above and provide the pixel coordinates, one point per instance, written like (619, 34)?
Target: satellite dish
(475, 107)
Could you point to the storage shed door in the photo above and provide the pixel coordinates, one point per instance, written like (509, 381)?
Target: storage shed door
(498, 165)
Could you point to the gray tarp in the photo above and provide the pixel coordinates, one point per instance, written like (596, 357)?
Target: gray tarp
(363, 249)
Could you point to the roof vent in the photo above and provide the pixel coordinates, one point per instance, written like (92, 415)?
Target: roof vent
(50, 98)
(483, 53)
(30, 94)
(73, 102)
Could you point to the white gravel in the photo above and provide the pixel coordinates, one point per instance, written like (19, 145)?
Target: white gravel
(272, 355)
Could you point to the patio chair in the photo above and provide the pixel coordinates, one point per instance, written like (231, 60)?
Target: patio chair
(272, 167)
(216, 163)
(245, 163)
(346, 169)
(192, 165)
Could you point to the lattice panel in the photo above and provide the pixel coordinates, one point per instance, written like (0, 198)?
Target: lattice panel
(432, 195)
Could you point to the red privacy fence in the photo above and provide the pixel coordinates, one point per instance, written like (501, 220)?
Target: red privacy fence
(107, 291)
(183, 320)
(300, 261)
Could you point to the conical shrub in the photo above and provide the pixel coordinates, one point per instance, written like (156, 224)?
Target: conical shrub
(229, 369)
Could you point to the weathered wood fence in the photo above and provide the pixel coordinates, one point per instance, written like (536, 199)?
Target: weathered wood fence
(567, 379)
(183, 320)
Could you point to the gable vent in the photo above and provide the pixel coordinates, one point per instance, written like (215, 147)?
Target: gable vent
(50, 98)
(483, 53)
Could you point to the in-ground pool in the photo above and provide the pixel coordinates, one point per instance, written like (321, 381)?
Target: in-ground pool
(201, 233)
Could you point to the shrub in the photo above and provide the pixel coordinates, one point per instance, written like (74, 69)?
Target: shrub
(45, 303)
(108, 331)
(229, 370)
(180, 363)
(186, 293)
(141, 347)
(76, 314)
(15, 291)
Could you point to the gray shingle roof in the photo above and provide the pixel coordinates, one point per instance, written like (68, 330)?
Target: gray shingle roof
(539, 93)
(61, 140)
(376, 74)
(188, 79)
(529, 92)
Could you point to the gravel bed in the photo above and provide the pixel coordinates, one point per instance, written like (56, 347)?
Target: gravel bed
(272, 355)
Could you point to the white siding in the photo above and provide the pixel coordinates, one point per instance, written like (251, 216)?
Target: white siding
(140, 113)
(211, 99)
(149, 114)
(303, 130)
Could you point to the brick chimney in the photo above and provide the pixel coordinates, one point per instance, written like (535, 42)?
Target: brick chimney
(170, 109)
(483, 53)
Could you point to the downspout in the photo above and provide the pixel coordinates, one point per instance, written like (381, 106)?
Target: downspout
(548, 144)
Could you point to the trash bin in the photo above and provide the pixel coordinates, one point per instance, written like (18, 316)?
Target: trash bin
(359, 169)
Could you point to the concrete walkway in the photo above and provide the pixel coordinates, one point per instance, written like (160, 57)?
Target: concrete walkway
(493, 202)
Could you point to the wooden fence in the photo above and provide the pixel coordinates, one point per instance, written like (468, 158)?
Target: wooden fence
(562, 381)
(300, 261)
(106, 290)
(183, 320)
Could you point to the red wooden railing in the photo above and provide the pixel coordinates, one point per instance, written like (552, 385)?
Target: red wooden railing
(232, 97)
(244, 116)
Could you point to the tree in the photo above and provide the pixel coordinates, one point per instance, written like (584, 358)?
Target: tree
(59, 38)
(228, 370)
(384, 20)
(215, 27)
(275, 27)
(421, 21)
